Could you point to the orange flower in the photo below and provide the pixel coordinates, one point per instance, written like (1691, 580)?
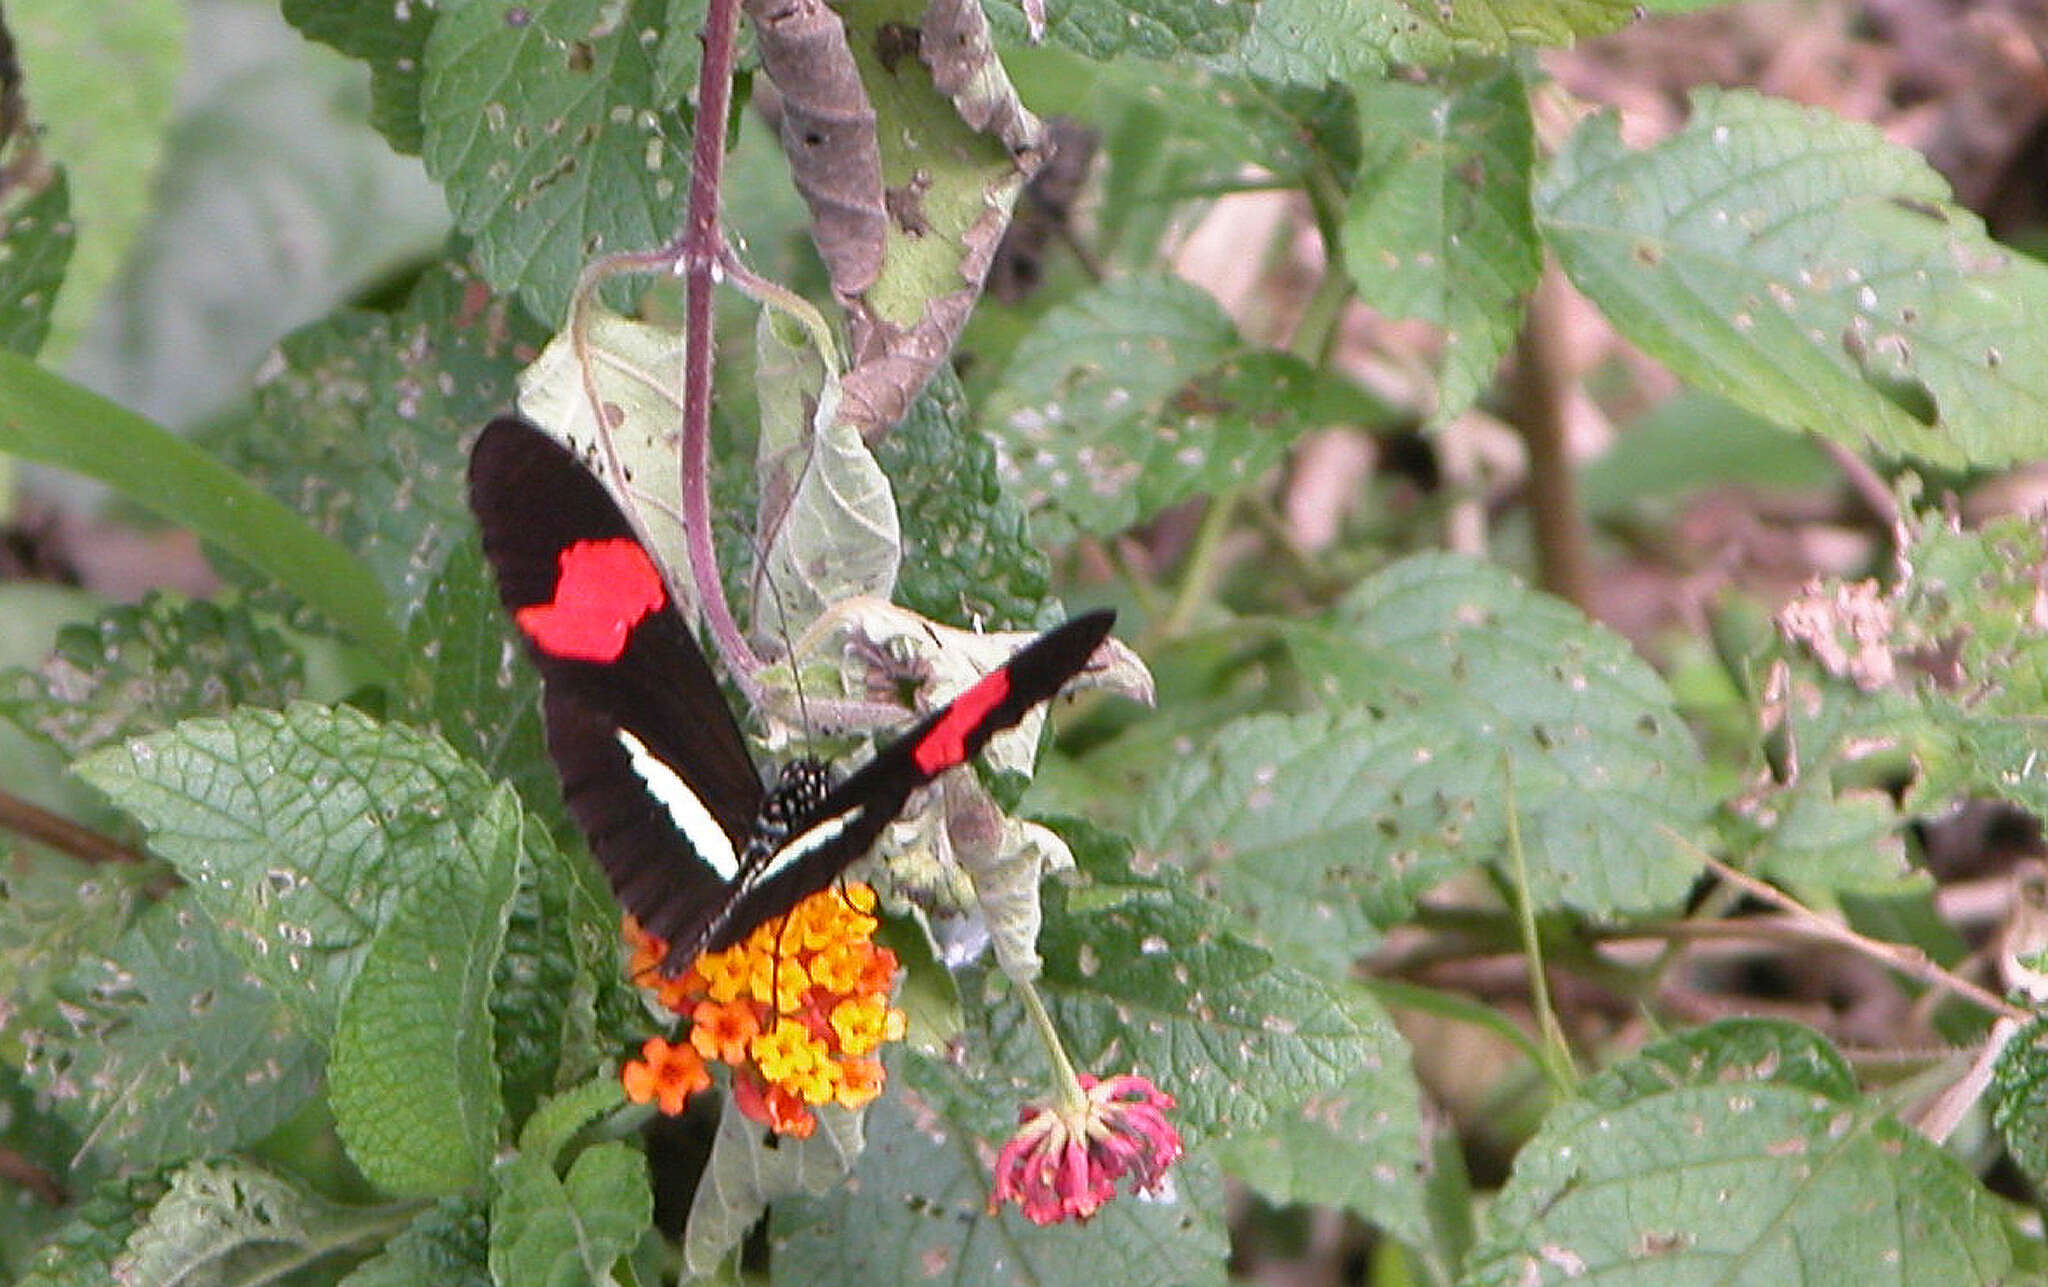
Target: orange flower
(795, 1009)
(668, 1074)
(722, 1032)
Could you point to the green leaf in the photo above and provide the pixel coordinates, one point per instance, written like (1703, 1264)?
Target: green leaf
(361, 424)
(1292, 131)
(179, 1054)
(40, 415)
(1455, 694)
(1354, 1147)
(1439, 226)
(918, 1206)
(231, 1222)
(392, 39)
(1799, 265)
(572, 1229)
(1741, 1144)
(1141, 975)
(82, 1253)
(144, 667)
(561, 1001)
(749, 1170)
(413, 1079)
(447, 1245)
(967, 547)
(549, 1228)
(550, 129)
(2019, 1100)
(1312, 41)
(36, 237)
(299, 831)
(55, 912)
(1140, 394)
(102, 76)
(1164, 29)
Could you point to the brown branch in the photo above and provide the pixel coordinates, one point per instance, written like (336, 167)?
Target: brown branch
(62, 834)
(1536, 391)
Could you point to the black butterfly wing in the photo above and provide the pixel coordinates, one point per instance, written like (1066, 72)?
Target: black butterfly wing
(652, 762)
(843, 826)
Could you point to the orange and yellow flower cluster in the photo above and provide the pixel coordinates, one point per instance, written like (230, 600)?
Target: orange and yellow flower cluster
(798, 1009)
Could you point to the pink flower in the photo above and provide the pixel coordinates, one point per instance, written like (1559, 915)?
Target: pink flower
(1065, 1162)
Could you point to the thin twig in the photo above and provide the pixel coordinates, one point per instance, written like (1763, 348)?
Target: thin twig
(62, 834)
(1909, 961)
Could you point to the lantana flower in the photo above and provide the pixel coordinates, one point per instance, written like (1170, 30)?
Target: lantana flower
(1065, 1160)
(796, 1010)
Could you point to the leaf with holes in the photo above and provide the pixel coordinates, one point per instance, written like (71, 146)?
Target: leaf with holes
(1801, 266)
(299, 832)
(553, 132)
(1438, 226)
(1455, 695)
(1744, 1143)
(177, 1050)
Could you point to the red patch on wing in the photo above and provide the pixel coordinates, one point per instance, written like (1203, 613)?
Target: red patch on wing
(945, 745)
(604, 590)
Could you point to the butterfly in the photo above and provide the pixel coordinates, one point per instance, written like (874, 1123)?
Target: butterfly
(652, 761)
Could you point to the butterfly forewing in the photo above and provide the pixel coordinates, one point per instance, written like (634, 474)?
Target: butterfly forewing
(649, 754)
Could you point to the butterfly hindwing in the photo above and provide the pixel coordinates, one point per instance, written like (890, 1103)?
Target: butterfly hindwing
(653, 765)
(843, 826)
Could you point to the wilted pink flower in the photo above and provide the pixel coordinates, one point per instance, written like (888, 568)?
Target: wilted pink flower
(1064, 1162)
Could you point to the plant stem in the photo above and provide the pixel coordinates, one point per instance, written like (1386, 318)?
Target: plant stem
(1557, 1061)
(1067, 1084)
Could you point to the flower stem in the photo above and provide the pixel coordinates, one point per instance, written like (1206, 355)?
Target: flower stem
(1067, 1083)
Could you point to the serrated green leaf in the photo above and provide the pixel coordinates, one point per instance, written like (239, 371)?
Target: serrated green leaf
(82, 1253)
(1439, 226)
(144, 667)
(448, 1245)
(54, 912)
(232, 1222)
(1799, 265)
(177, 1051)
(39, 418)
(918, 1206)
(1163, 29)
(1140, 394)
(561, 998)
(1456, 694)
(361, 423)
(1292, 131)
(412, 1079)
(299, 831)
(392, 39)
(2019, 1100)
(103, 78)
(1356, 1146)
(967, 547)
(1742, 1144)
(749, 1170)
(1311, 41)
(553, 136)
(574, 1229)
(36, 237)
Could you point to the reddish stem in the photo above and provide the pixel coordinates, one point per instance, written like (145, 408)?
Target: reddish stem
(697, 256)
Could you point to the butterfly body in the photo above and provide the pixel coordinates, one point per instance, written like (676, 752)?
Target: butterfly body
(653, 764)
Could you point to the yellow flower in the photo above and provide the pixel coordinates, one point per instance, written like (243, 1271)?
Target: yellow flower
(864, 1023)
(786, 1051)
